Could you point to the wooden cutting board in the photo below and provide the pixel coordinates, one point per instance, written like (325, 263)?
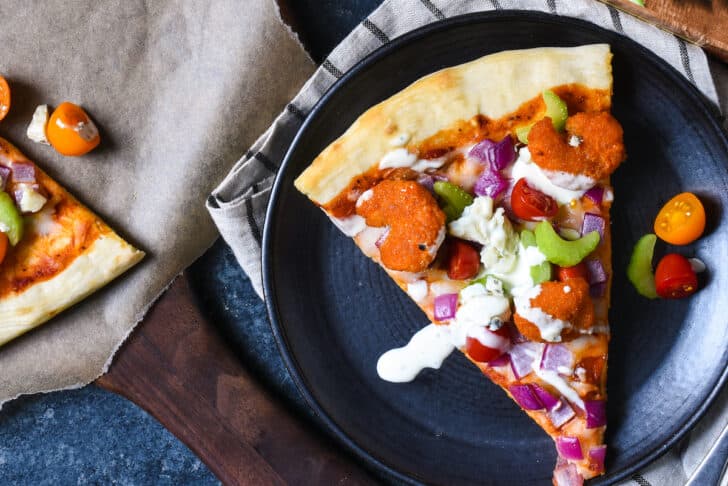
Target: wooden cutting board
(178, 368)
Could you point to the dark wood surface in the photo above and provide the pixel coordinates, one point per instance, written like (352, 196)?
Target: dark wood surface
(177, 367)
(703, 22)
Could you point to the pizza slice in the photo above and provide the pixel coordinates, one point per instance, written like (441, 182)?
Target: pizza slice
(483, 191)
(54, 250)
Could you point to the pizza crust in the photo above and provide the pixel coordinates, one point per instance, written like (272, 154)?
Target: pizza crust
(493, 86)
(106, 259)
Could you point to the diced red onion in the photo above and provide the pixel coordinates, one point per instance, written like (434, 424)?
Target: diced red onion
(502, 360)
(497, 155)
(522, 358)
(598, 290)
(566, 474)
(596, 413)
(596, 194)
(593, 222)
(380, 240)
(545, 397)
(597, 454)
(4, 176)
(23, 172)
(490, 183)
(561, 413)
(445, 306)
(523, 394)
(569, 448)
(426, 181)
(556, 356)
(595, 271)
(516, 337)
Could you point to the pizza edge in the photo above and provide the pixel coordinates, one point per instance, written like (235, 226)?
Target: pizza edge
(418, 110)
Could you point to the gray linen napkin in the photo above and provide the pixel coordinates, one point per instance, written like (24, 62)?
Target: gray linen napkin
(238, 205)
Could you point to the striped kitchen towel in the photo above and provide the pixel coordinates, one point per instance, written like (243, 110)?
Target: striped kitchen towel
(238, 205)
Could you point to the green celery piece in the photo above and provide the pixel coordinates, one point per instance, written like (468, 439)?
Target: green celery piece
(541, 272)
(454, 199)
(481, 280)
(639, 270)
(555, 109)
(11, 221)
(562, 252)
(522, 133)
(641, 3)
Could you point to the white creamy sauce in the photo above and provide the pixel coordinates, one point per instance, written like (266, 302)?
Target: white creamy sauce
(573, 182)
(368, 237)
(549, 326)
(397, 158)
(519, 276)
(399, 139)
(574, 140)
(524, 167)
(553, 379)
(401, 157)
(432, 249)
(432, 344)
(441, 287)
(366, 195)
(567, 289)
(417, 290)
(351, 225)
(428, 348)
(580, 373)
(37, 128)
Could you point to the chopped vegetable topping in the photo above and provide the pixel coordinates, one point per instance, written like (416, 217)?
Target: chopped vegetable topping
(675, 277)
(681, 220)
(71, 131)
(482, 353)
(530, 204)
(561, 252)
(522, 133)
(555, 109)
(639, 270)
(541, 272)
(11, 223)
(454, 199)
(463, 261)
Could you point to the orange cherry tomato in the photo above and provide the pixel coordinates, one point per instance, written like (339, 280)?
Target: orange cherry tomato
(675, 277)
(3, 246)
(530, 204)
(4, 97)
(463, 260)
(577, 271)
(71, 131)
(681, 220)
(485, 354)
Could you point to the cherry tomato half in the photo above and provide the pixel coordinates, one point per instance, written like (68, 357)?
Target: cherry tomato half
(675, 277)
(530, 204)
(71, 131)
(681, 220)
(463, 260)
(485, 354)
(577, 271)
(4, 98)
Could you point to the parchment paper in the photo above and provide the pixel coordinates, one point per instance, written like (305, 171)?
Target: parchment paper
(179, 90)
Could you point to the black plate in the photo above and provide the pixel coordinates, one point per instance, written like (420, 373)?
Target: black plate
(334, 312)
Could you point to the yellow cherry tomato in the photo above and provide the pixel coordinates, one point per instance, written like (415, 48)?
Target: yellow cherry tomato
(4, 98)
(681, 220)
(71, 131)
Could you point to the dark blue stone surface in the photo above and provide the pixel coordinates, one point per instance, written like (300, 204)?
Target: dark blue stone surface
(90, 436)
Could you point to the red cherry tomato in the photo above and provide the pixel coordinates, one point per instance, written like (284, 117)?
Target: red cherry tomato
(674, 277)
(463, 260)
(485, 354)
(577, 271)
(531, 205)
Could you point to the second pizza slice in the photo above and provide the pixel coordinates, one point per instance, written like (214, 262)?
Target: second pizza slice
(483, 190)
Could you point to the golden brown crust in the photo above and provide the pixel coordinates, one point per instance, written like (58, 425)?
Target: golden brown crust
(491, 86)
